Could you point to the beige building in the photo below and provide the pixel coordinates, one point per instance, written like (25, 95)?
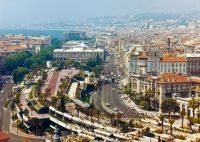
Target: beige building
(170, 63)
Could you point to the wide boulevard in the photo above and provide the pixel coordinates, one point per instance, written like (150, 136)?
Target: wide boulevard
(109, 93)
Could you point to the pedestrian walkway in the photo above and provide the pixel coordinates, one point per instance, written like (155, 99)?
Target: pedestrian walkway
(72, 90)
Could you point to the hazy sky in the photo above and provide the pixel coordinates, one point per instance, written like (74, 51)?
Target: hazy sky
(14, 12)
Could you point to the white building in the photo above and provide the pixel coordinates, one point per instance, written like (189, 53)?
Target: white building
(79, 53)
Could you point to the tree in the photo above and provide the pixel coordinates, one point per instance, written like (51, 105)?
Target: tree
(12, 106)
(91, 112)
(62, 103)
(19, 73)
(54, 101)
(182, 113)
(193, 103)
(162, 120)
(171, 122)
(148, 94)
(112, 116)
(169, 105)
(36, 125)
(98, 114)
(30, 77)
(26, 112)
(78, 109)
(144, 105)
(190, 122)
(119, 116)
(14, 117)
(44, 76)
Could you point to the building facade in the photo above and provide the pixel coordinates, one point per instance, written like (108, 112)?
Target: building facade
(173, 64)
(193, 64)
(79, 53)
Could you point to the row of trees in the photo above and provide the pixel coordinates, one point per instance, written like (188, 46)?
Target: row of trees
(19, 64)
(170, 105)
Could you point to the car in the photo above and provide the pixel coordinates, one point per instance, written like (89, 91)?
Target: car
(113, 89)
(132, 108)
(115, 109)
(107, 104)
(121, 112)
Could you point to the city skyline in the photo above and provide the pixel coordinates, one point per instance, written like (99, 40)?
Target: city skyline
(21, 12)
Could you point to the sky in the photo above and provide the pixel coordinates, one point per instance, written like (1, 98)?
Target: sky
(26, 12)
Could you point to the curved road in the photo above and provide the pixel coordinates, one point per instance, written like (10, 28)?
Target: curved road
(108, 95)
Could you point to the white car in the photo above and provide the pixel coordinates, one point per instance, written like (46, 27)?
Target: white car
(115, 109)
(132, 108)
(113, 89)
(107, 104)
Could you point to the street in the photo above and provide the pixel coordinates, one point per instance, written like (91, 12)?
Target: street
(5, 94)
(112, 97)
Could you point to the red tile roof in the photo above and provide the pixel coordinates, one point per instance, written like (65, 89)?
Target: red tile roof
(173, 59)
(167, 78)
(143, 55)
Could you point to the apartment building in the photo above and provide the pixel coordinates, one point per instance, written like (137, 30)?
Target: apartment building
(193, 63)
(12, 44)
(170, 63)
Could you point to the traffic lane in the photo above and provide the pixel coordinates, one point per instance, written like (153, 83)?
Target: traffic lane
(7, 94)
(97, 100)
(127, 111)
(114, 99)
(107, 92)
(6, 120)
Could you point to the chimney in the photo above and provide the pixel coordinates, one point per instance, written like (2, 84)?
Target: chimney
(168, 42)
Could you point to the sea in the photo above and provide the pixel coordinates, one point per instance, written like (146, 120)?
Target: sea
(34, 32)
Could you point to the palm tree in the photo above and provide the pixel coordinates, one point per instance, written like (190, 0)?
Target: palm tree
(193, 103)
(36, 126)
(91, 111)
(162, 120)
(98, 114)
(119, 116)
(112, 116)
(148, 95)
(91, 78)
(26, 112)
(78, 109)
(190, 120)
(30, 77)
(182, 113)
(12, 106)
(87, 112)
(171, 122)
(54, 101)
